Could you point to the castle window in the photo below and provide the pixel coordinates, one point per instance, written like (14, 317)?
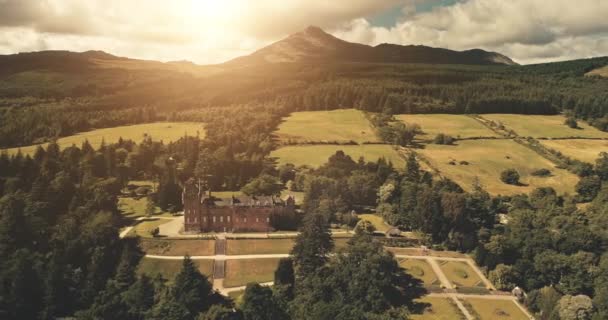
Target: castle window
(267, 219)
(244, 219)
(221, 218)
(195, 220)
(228, 218)
(213, 219)
(257, 219)
(205, 219)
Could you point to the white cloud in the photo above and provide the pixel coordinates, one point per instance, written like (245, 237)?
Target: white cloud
(526, 30)
(209, 31)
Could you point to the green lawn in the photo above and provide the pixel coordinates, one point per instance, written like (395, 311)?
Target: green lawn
(488, 158)
(485, 309)
(259, 246)
(178, 247)
(420, 269)
(580, 149)
(243, 271)
(143, 228)
(165, 131)
(460, 274)
(375, 220)
(436, 309)
(326, 126)
(541, 126)
(169, 268)
(456, 125)
(317, 155)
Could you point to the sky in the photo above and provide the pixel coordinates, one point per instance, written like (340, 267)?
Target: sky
(209, 31)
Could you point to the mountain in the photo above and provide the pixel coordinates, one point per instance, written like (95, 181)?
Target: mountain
(315, 45)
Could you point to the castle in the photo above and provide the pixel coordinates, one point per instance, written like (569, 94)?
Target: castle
(205, 213)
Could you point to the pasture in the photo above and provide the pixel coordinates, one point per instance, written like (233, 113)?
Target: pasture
(494, 309)
(581, 149)
(240, 272)
(545, 126)
(420, 269)
(178, 247)
(486, 159)
(431, 308)
(455, 125)
(460, 274)
(165, 131)
(341, 125)
(317, 155)
(170, 268)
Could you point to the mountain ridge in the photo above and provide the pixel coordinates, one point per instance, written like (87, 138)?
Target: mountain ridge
(314, 45)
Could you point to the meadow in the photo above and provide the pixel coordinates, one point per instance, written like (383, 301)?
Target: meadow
(341, 125)
(377, 221)
(178, 247)
(545, 126)
(494, 309)
(460, 274)
(486, 159)
(259, 246)
(165, 131)
(581, 149)
(317, 155)
(455, 125)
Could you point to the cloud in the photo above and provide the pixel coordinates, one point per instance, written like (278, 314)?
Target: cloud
(210, 31)
(527, 30)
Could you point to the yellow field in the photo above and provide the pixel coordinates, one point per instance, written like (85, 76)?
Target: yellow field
(436, 309)
(170, 268)
(375, 220)
(455, 125)
(165, 131)
(602, 72)
(243, 271)
(460, 274)
(541, 126)
(488, 309)
(420, 269)
(322, 126)
(488, 158)
(580, 149)
(317, 155)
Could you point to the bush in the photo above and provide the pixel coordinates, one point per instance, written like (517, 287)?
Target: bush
(510, 176)
(155, 232)
(541, 173)
(444, 139)
(571, 122)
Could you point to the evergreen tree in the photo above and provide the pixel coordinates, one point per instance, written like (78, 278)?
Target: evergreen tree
(191, 288)
(312, 246)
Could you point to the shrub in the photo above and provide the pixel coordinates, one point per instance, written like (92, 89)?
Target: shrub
(444, 139)
(155, 232)
(510, 176)
(541, 172)
(571, 122)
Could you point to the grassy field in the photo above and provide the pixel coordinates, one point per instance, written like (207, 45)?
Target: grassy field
(377, 221)
(317, 155)
(165, 131)
(419, 252)
(169, 268)
(580, 149)
(488, 158)
(142, 228)
(458, 126)
(541, 126)
(602, 72)
(259, 246)
(178, 247)
(420, 269)
(326, 126)
(486, 309)
(243, 271)
(460, 274)
(436, 309)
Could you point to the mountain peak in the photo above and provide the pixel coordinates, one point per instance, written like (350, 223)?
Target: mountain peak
(314, 30)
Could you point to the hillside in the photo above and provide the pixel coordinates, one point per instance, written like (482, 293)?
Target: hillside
(314, 44)
(602, 72)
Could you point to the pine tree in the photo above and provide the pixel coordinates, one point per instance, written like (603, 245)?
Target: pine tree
(412, 168)
(312, 246)
(191, 288)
